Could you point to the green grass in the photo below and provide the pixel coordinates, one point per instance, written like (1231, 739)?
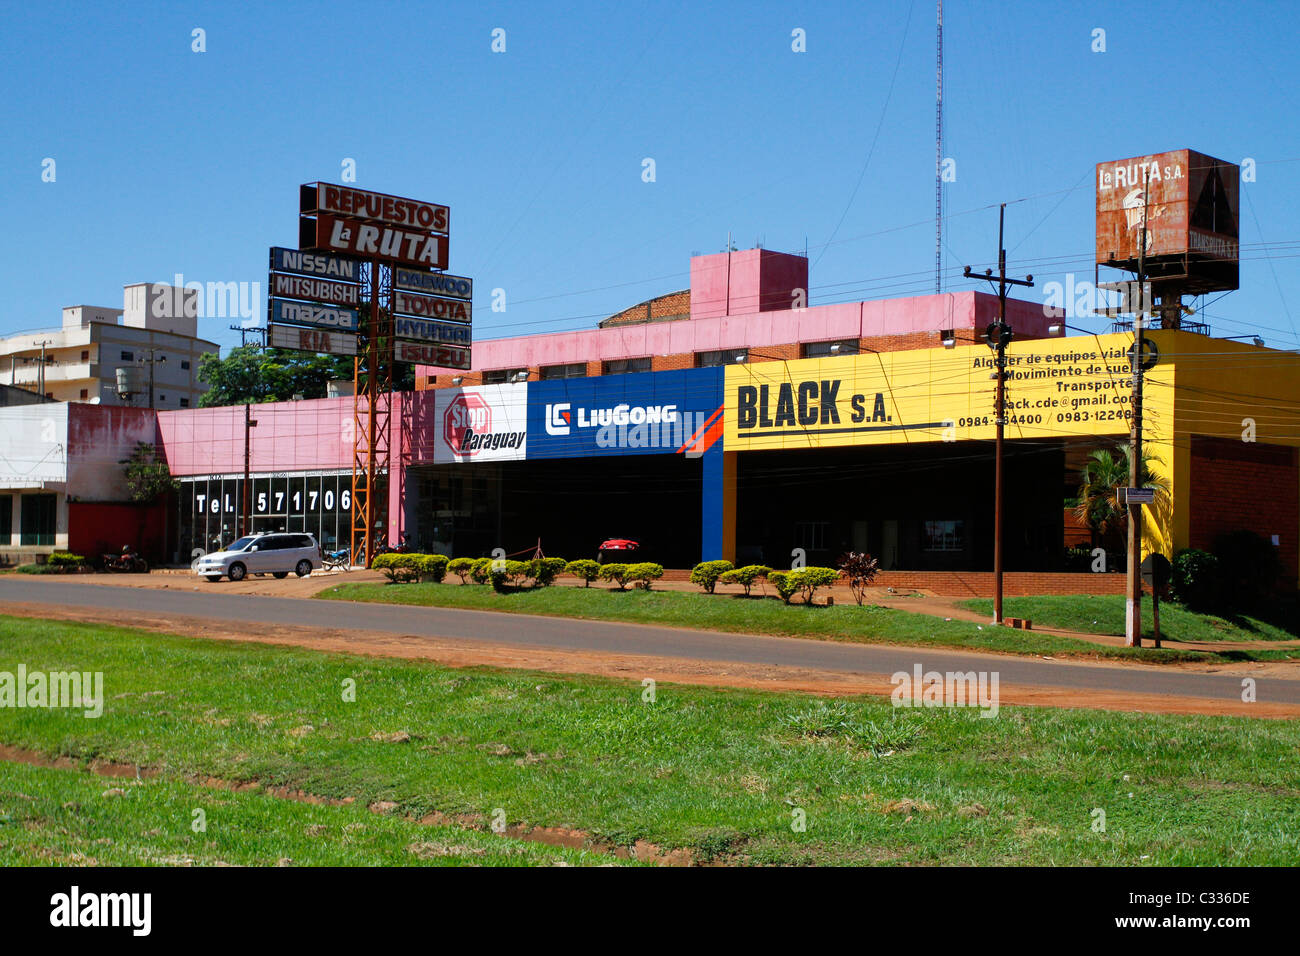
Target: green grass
(1104, 614)
(725, 612)
(56, 817)
(720, 772)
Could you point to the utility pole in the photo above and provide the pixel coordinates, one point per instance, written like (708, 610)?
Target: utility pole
(938, 154)
(1133, 605)
(151, 362)
(40, 368)
(246, 511)
(244, 332)
(999, 337)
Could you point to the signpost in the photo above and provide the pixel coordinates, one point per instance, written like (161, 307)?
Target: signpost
(1136, 496)
(369, 263)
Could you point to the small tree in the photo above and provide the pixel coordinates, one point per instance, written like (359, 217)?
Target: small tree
(544, 571)
(584, 569)
(785, 587)
(461, 567)
(706, 574)
(617, 573)
(859, 569)
(147, 475)
(644, 573)
(746, 576)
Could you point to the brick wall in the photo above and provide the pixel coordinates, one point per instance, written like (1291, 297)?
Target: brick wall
(664, 308)
(1236, 485)
(768, 353)
(1014, 583)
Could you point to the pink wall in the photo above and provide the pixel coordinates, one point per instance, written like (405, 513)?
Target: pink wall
(100, 438)
(752, 280)
(756, 330)
(290, 436)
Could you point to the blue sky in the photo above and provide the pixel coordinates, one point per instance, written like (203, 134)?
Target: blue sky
(170, 161)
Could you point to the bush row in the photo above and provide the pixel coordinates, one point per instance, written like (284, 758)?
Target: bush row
(504, 574)
(858, 569)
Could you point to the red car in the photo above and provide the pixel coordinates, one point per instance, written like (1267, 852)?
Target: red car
(617, 550)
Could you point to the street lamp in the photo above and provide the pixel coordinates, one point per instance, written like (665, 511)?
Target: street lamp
(1255, 338)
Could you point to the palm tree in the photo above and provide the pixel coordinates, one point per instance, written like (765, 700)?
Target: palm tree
(1103, 474)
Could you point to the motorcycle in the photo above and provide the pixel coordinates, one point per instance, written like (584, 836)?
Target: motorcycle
(127, 561)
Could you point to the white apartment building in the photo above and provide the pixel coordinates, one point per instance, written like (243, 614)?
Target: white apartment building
(155, 330)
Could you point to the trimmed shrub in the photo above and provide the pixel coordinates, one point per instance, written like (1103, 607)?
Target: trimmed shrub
(617, 573)
(432, 567)
(481, 571)
(507, 574)
(461, 567)
(65, 559)
(706, 574)
(746, 576)
(859, 569)
(785, 587)
(584, 569)
(1197, 579)
(644, 572)
(398, 568)
(544, 571)
(803, 581)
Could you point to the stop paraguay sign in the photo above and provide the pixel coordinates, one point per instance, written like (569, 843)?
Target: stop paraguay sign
(468, 413)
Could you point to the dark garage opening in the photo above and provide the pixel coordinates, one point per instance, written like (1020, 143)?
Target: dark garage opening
(571, 504)
(916, 507)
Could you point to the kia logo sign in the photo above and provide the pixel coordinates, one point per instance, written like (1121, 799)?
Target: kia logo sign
(467, 414)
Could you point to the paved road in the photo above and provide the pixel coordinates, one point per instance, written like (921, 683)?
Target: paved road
(567, 634)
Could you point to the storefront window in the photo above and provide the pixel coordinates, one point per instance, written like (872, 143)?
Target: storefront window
(945, 536)
(38, 518)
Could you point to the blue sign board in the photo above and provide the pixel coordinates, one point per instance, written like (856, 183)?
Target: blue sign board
(642, 413)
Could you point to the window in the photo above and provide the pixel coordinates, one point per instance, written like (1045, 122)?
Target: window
(37, 519)
(574, 370)
(162, 398)
(825, 349)
(944, 536)
(499, 376)
(721, 357)
(185, 403)
(185, 366)
(6, 519)
(623, 366)
(85, 355)
(128, 356)
(810, 535)
(85, 393)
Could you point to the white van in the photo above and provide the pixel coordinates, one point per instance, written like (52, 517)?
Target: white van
(275, 553)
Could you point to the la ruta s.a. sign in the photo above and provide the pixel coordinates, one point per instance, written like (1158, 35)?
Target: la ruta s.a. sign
(804, 404)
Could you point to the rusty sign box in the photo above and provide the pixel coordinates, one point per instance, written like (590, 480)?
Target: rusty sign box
(1189, 202)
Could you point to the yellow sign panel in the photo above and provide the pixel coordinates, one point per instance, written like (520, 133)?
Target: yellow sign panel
(1055, 388)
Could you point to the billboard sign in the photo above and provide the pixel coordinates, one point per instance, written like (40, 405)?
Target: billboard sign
(316, 198)
(317, 290)
(427, 353)
(433, 283)
(286, 312)
(374, 240)
(311, 340)
(1189, 203)
(482, 423)
(1072, 387)
(644, 413)
(430, 307)
(446, 333)
(303, 263)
